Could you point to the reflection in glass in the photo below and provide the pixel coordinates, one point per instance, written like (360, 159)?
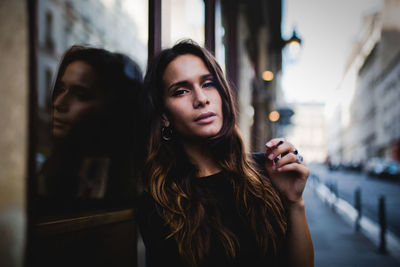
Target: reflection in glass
(114, 25)
(81, 154)
(94, 111)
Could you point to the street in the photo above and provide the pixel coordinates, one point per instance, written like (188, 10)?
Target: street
(335, 241)
(372, 188)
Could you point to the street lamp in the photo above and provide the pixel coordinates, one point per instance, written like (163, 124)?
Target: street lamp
(268, 75)
(294, 39)
(281, 116)
(274, 116)
(293, 45)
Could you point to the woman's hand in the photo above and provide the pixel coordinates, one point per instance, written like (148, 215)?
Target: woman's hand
(286, 172)
(289, 174)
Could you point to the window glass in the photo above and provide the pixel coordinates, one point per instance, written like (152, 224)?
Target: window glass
(219, 36)
(118, 26)
(182, 19)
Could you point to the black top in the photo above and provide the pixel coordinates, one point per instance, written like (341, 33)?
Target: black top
(220, 195)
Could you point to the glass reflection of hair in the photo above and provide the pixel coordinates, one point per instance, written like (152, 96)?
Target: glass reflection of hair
(169, 173)
(93, 122)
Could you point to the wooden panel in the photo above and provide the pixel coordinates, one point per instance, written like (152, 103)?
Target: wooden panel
(107, 239)
(65, 225)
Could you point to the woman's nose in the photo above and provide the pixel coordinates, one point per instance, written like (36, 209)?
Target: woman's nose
(61, 102)
(200, 97)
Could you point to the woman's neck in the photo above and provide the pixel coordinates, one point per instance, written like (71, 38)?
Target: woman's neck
(201, 158)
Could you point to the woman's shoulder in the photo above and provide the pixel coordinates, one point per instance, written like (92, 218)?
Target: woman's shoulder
(145, 204)
(149, 221)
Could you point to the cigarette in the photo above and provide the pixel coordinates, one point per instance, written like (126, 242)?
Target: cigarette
(278, 144)
(279, 156)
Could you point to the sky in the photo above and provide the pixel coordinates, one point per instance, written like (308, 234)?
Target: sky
(327, 29)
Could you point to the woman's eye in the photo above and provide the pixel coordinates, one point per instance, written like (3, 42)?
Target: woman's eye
(82, 93)
(58, 90)
(179, 92)
(209, 84)
(83, 96)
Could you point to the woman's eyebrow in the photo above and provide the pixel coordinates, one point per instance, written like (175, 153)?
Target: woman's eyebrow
(208, 76)
(177, 84)
(80, 87)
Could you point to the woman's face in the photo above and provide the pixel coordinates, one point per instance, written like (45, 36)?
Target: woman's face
(77, 97)
(192, 101)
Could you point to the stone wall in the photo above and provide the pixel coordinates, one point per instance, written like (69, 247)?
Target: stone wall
(13, 130)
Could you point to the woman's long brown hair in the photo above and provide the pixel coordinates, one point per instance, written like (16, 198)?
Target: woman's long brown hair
(169, 174)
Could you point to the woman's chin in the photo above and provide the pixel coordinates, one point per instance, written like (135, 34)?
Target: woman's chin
(208, 134)
(59, 133)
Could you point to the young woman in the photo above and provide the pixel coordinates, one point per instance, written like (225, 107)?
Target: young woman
(93, 102)
(205, 201)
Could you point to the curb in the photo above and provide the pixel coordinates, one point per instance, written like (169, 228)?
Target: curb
(368, 228)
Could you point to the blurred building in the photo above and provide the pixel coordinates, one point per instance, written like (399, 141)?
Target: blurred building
(364, 114)
(308, 131)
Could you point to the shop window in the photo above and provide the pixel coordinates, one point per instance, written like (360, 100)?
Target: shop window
(182, 19)
(117, 26)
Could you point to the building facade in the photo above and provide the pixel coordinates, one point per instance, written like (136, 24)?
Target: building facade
(363, 113)
(308, 131)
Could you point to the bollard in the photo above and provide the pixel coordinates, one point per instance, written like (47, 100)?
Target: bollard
(382, 224)
(329, 185)
(336, 190)
(357, 205)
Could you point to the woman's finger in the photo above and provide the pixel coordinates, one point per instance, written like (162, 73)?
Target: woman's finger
(286, 159)
(274, 141)
(295, 167)
(281, 148)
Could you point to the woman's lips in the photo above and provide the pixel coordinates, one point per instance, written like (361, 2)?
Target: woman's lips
(59, 123)
(205, 118)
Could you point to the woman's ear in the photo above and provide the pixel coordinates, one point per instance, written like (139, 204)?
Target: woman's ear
(165, 120)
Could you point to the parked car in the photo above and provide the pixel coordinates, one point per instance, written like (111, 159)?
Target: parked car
(352, 166)
(375, 166)
(382, 168)
(392, 169)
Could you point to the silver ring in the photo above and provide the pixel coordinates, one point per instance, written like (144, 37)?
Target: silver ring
(299, 158)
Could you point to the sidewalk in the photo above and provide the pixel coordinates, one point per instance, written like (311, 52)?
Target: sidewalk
(335, 240)
(344, 185)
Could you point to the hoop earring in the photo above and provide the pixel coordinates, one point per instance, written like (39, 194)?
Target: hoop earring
(166, 133)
